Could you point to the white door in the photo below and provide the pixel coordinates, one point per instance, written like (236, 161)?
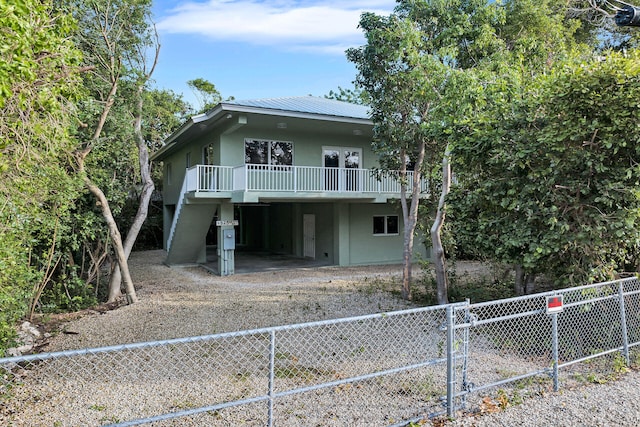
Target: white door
(309, 235)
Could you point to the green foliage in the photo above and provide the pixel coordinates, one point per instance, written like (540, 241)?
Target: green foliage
(553, 176)
(164, 112)
(409, 69)
(67, 294)
(15, 284)
(406, 77)
(477, 287)
(206, 92)
(354, 96)
(37, 88)
(55, 73)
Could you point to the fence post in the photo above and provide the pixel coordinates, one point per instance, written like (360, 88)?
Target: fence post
(554, 331)
(623, 324)
(465, 353)
(451, 380)
(272, 368)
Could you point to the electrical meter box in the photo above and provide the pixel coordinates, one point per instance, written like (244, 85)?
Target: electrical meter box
(229, 239)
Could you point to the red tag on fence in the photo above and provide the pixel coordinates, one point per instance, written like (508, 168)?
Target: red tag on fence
(554, 304)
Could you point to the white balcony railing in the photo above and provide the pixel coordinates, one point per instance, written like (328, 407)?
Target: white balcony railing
(209, 178)
(292, 179)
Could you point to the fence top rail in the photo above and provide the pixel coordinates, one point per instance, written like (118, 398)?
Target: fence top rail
(550, 293)
(223, 335)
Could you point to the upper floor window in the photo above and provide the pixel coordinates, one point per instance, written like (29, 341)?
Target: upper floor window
(266, 152)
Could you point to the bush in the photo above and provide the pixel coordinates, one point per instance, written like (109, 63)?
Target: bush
(15, 287)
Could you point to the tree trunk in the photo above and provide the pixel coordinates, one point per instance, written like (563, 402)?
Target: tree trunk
(410, 217)
(529, 283)
(442, 291)
(407, 255)
(525, 282)
(102, 201)
(115, 281)
(116, 239)
(519, 286)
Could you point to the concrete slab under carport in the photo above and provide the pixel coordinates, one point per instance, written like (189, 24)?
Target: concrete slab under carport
(252, 262)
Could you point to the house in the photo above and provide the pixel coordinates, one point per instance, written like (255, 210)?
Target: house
(293, 176)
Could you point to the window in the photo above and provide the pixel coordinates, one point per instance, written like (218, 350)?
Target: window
(385, 224)
(168, 173)
(187, 160)
(264, 152)
(341, 157)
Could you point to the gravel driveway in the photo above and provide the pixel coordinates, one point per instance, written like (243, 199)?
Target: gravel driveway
(188, 301)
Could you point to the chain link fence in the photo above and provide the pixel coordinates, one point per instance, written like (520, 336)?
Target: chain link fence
(382, 369)
(523, 340)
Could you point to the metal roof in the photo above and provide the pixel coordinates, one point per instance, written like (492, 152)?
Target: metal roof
(308, 104)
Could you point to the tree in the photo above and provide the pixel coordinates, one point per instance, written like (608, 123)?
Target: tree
(147, 185)
(164, 111)
(555, 188)
(115, 35)
(497, 205)
(392, 71)
(206, 93)
(409, 70)
(354, 96)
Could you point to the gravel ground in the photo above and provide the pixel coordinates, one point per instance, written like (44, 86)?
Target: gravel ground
(183, 302)
(189, 301)
(614, 403)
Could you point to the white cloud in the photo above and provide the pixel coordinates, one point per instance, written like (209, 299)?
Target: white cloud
(328, 26)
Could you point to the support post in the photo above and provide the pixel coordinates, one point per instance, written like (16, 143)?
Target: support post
(226, 245)
(623, 324)
(272, 368)
(554, 331)
(451, 373)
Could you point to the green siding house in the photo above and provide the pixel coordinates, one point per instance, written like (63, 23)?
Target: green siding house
(293, 176)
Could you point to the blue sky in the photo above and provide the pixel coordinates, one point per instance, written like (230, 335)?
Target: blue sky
(260, 48)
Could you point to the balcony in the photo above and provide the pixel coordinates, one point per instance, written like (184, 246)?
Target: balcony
(292, 179)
